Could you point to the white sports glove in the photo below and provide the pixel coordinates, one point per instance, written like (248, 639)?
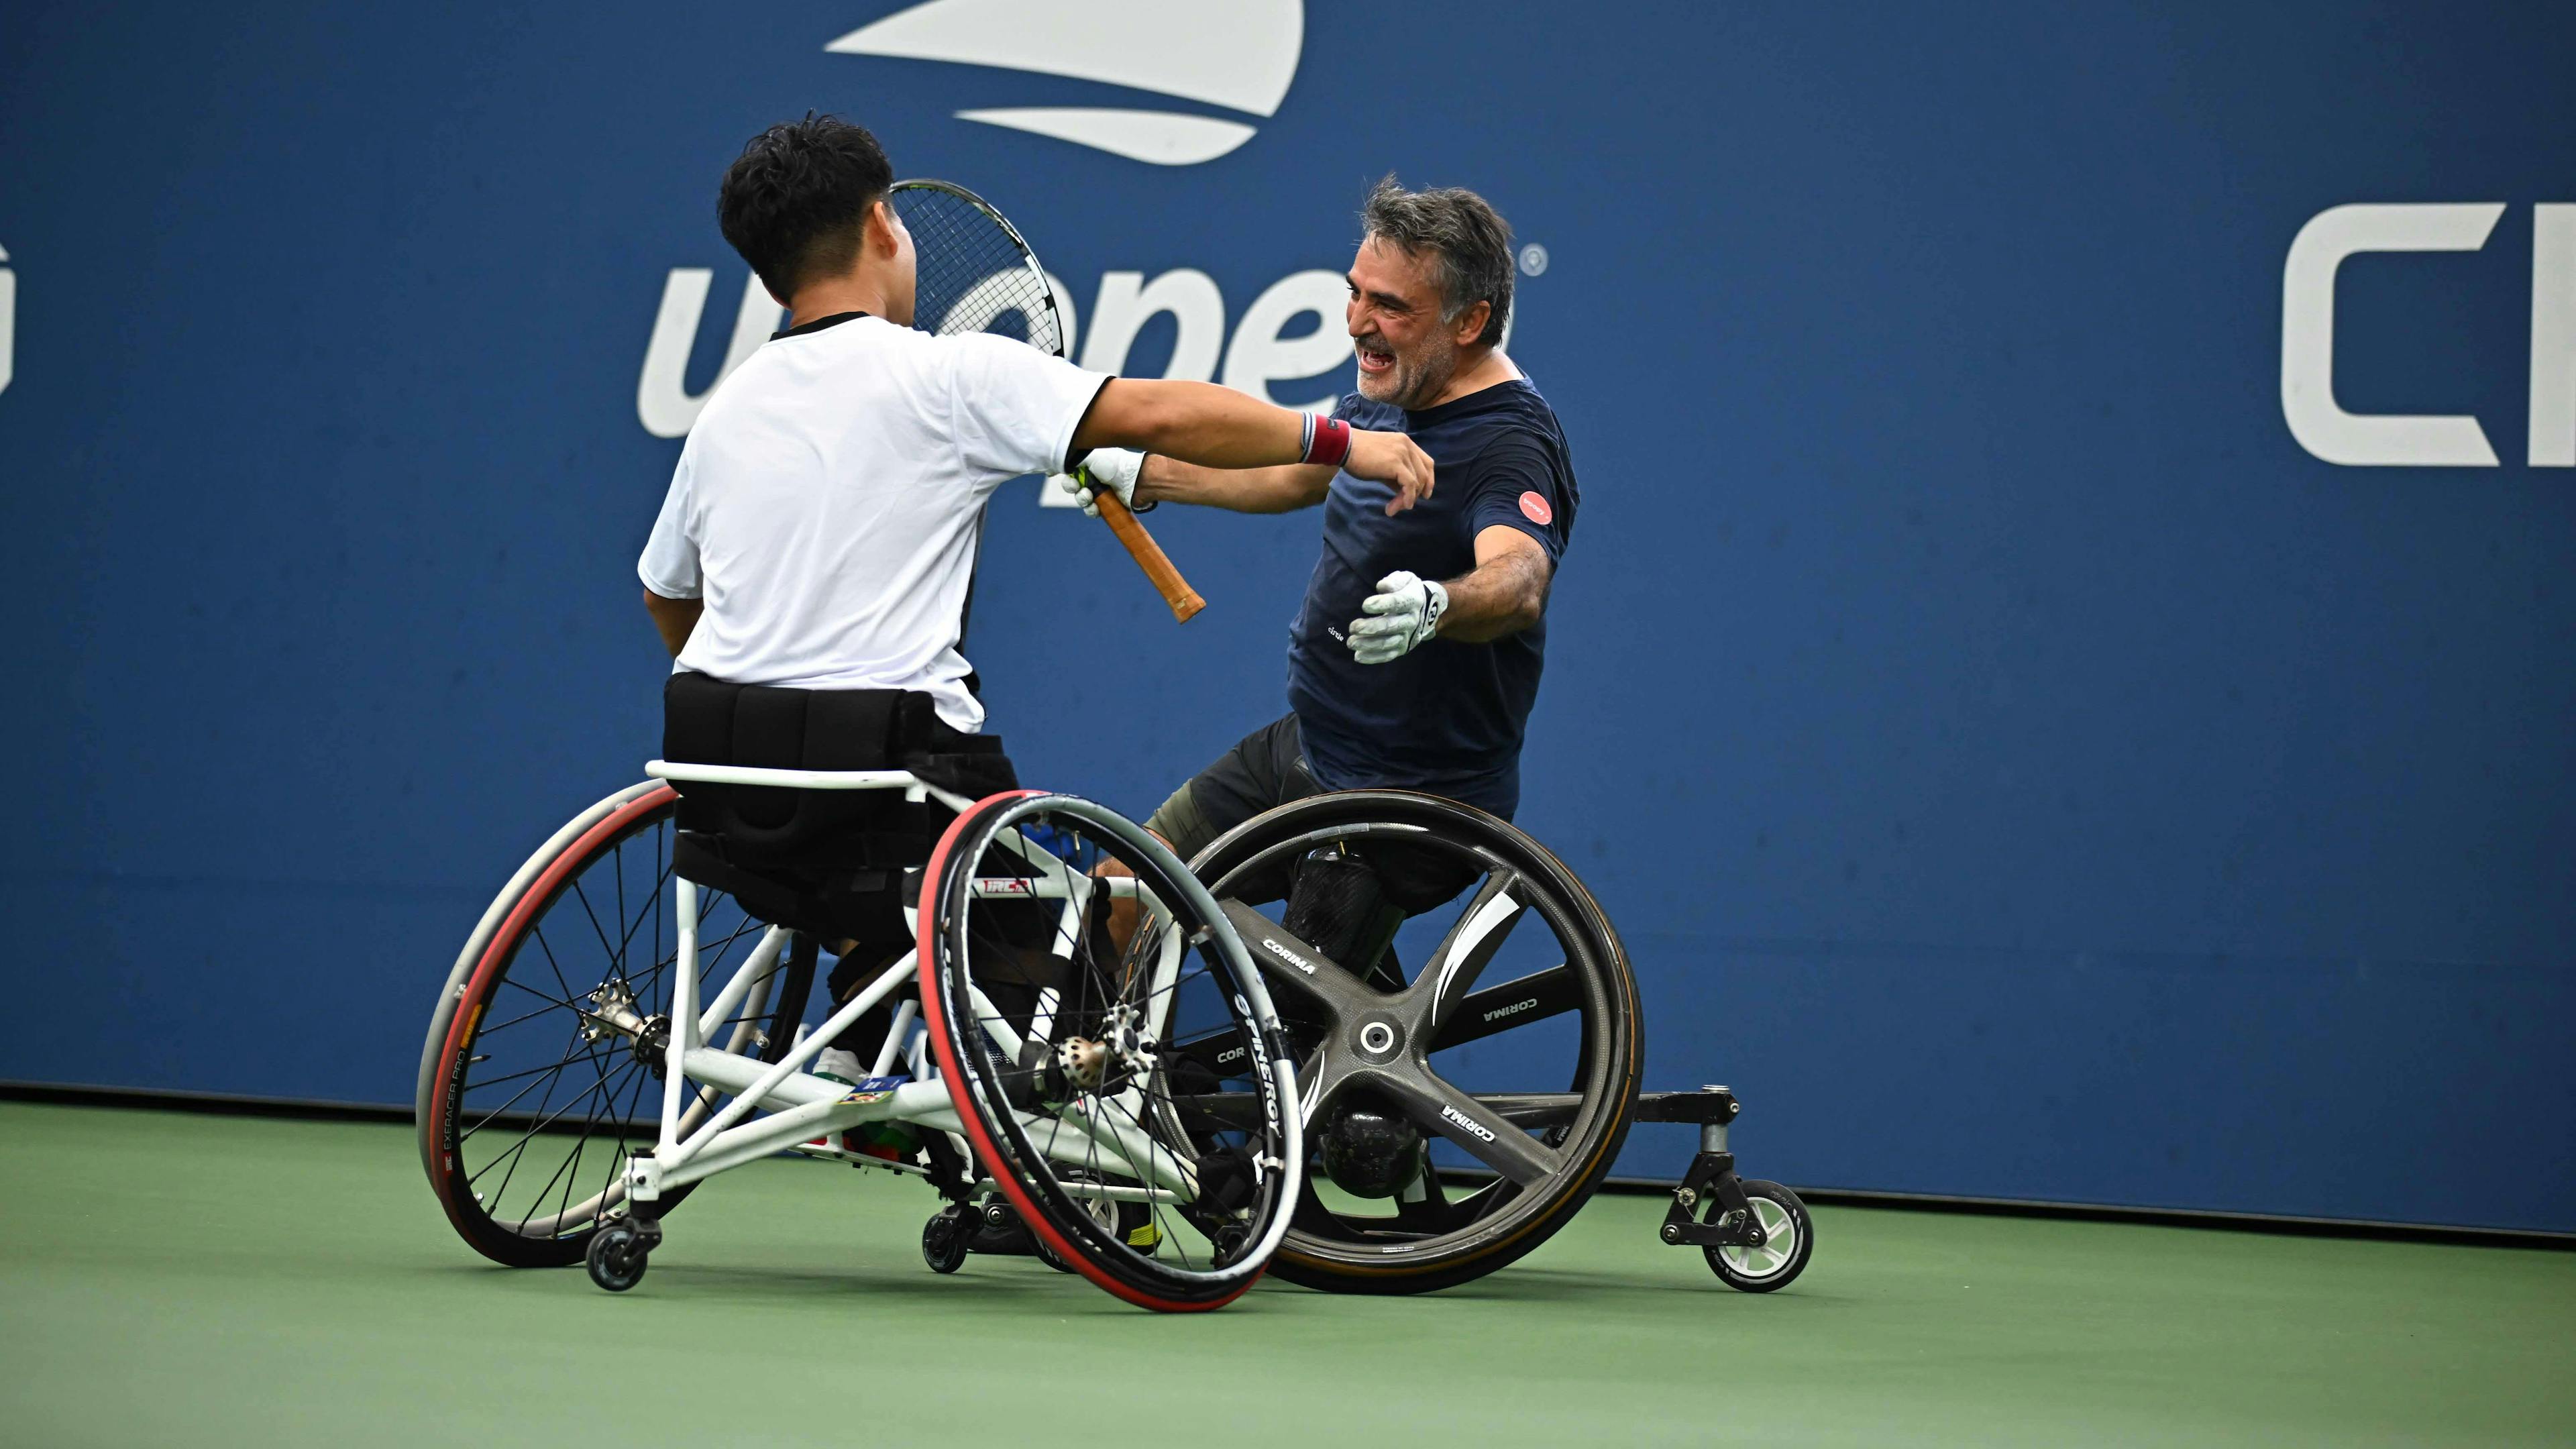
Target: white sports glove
(1403, 612)
(1112, 468)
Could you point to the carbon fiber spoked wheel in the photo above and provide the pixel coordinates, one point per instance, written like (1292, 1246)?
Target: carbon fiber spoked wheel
(1069, 1057)
(1459, 1113)
(541, 1074)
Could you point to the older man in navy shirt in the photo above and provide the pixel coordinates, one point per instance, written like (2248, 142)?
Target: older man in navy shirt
(1415, 658)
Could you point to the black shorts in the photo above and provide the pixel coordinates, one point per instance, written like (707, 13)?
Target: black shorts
(1267, 769)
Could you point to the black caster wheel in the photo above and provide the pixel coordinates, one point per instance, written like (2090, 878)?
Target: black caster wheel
(944, 1238)
(1229, 1241)
(616, 1257)
(1789, 1239)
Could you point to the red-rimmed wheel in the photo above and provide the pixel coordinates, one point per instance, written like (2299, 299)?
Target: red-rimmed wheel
(541, 1075)
(1069, 965)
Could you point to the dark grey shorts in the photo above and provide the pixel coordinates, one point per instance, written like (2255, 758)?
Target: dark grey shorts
(1266, 769)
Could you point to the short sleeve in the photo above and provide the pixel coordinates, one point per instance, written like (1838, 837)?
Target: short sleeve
(669, 566)
(1016, 408)
(1518, 482)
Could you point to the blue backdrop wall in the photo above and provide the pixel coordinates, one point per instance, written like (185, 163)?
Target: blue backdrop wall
(2017, 763)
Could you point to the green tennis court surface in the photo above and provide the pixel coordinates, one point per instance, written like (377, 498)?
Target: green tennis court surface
(190, 1280)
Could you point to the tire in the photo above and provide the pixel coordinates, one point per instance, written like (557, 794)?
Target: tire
(496, 1106)
(616, 1255)
(1578, 1123)
(1774, 1265)
(945, 1237)
(996, 963)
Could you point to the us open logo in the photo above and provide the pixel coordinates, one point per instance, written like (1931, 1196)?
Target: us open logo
(1240, 57)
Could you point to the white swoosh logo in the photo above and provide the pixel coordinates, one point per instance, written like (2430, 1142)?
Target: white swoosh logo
(1240, 55)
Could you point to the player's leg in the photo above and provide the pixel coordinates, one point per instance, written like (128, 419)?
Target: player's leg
(1265, 769)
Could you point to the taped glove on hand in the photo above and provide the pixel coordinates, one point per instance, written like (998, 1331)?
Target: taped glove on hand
(1114, 469)
(1403, 612)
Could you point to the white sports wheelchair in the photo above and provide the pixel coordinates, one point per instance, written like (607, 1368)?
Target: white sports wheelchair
(1025, 1070)
(1074, 1036)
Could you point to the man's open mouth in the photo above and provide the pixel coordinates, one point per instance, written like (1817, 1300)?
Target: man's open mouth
(1374, 359)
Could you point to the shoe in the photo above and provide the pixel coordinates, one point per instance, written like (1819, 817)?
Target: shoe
(885, 1141)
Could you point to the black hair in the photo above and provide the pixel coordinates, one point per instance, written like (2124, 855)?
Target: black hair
(794, 203)
(1471, 239)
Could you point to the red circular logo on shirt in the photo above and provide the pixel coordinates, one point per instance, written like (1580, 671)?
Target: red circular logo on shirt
(1535, 509)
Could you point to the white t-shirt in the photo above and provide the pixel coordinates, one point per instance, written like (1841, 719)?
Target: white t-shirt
(826, 503)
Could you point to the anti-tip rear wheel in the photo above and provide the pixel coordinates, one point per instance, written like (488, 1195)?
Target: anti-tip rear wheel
(1789, 1239)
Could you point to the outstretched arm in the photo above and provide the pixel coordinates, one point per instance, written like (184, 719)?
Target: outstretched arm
(1239, 490)
(1504, 594)
(1219, 428)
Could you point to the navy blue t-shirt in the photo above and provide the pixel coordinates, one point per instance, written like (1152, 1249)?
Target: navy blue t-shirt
(1447, 717)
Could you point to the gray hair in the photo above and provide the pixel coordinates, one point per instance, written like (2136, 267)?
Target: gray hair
(1471, 240)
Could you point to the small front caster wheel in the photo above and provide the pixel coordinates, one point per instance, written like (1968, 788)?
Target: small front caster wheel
(1229, 1241)
(1788, 1240)
(944, 1238)
(616, 1257)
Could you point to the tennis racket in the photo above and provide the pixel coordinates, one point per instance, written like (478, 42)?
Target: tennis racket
(974, 273)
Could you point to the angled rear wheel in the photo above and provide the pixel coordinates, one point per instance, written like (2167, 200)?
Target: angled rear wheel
(543, 1072)
(1458, 1112)
(1070, 1059)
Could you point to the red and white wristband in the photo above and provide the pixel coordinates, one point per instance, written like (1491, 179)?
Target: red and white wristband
(1328, 441)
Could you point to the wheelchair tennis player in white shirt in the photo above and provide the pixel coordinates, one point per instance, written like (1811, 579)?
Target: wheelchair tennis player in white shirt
(819, 532)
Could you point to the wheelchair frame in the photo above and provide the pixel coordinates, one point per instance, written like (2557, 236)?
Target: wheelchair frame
(804, 1107)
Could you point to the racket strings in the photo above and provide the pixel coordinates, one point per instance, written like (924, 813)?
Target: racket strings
(972, 273)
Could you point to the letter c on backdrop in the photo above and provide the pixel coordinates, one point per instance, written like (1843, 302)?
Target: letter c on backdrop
(2307, 336)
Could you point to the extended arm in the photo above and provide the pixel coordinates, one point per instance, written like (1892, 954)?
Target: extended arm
(1282, 489)
(1504, 594)
(1218, 428)
(673, 619)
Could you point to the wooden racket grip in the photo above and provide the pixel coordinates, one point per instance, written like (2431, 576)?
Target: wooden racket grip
(1149, 556)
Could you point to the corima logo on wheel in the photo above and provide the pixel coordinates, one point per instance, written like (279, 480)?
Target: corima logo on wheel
(1240, 57)
(1467, 1123)
(1284, 954)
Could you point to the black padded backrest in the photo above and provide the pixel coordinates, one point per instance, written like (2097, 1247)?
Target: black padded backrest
(708, 722)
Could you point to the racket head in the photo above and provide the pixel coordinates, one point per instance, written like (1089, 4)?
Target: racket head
(973, 270)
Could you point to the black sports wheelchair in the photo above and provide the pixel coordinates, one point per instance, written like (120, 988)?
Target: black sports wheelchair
(1165, 1077)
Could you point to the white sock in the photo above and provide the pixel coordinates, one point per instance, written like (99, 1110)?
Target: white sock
(840, 1066)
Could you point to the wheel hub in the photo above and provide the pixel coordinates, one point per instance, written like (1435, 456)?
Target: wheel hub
(1377, 1038)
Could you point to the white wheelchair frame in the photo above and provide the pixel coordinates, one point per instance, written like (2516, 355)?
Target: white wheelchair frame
(806, 1112)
